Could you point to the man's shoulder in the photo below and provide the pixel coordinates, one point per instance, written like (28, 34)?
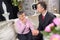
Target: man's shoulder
(51, 14)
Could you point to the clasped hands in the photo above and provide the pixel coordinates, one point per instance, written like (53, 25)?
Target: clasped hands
(35, 32)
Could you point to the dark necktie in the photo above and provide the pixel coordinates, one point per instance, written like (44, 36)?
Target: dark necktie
(42, 17)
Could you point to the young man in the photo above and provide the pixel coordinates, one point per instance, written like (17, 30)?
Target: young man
(45, 18)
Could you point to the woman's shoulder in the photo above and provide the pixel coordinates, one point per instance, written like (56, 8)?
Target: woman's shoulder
(16, 20)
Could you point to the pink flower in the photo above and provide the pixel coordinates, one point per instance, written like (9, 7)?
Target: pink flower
(57, 21)
(55, 37)
(48, 28)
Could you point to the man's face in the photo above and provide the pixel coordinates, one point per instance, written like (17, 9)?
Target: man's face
(40, 8)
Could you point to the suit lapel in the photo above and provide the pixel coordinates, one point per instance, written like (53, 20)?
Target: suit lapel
(41, 21)
(46, 18)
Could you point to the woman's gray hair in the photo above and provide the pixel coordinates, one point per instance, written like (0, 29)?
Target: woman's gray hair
(20, 13)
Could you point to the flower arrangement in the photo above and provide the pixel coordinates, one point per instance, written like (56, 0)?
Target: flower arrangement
(55, 37)
(52, 32)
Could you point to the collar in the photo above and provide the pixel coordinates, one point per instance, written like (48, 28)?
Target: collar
(45, 13)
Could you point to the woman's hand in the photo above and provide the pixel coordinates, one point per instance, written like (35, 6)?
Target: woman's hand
(35, 32)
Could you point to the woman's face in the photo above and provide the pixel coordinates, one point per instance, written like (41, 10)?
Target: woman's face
(22, 16)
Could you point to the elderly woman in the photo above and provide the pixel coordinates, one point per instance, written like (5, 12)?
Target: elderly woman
(24, 27)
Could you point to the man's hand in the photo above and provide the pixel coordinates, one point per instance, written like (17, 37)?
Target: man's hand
(35, 32)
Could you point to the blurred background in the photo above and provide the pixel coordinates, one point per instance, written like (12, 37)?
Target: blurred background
(7, 31)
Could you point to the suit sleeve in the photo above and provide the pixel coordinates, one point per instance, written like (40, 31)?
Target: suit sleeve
(52, 17)
(39, 26)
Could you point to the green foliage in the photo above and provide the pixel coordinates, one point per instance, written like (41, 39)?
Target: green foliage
(54, 31)
(15, 2)
(45, 33)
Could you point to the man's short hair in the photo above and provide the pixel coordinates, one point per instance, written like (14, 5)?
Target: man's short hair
(43, 4)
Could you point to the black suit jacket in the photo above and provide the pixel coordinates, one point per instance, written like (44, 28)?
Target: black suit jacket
(47, 20)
